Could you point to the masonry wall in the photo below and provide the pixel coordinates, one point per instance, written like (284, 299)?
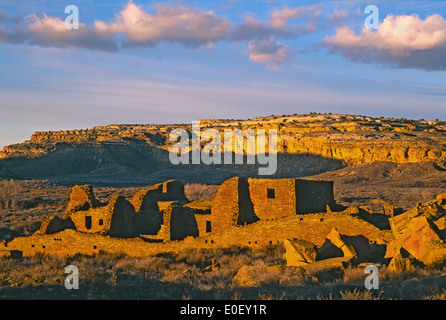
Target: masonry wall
(150, 203)
(82, 198)
(313, 196)
(148, 222)
(273, 198)
(311, 227)
(115, 219)
(53, 224)
(123, 218)
(172, 190)
(246, 214)
(204, 224)
(100, 220)
(225, 206)
(182, 223)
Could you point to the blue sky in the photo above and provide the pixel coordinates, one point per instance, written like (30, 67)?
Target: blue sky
(179, 61)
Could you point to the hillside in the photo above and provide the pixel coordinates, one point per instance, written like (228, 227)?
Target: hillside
(308, 144)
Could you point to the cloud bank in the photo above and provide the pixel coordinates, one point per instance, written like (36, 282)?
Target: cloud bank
(403, 41)
(190, 27)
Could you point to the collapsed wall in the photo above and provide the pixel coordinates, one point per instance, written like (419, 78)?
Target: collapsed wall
(225, 206)
(179, 223)
(54, 224)
(82, 198)
(148, 218)
(119, 217)
(433, 211)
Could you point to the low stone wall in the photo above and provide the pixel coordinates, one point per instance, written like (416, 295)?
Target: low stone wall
(312, 227)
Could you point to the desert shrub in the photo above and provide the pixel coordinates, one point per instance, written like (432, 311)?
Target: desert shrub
(354, 275)
(436, 295)
(270, 296)
(11, 194)
(356, 294)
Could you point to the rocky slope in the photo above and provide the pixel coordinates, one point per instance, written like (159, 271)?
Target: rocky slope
(307, 145)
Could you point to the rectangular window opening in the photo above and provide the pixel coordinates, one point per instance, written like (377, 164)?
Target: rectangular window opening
(87, 222)
(271, 193)
(208, 227)
(101, 222)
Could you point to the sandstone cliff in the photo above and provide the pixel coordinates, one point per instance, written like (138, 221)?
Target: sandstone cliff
(347, 139)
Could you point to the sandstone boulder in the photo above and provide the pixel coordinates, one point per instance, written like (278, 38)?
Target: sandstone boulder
(432, 211)
(441, 223)
(299, 252)
(432, 253)
(335, 246)
(400, 263)
(421, 240)
(327, 265)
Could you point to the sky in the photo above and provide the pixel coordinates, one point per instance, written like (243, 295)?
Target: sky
(155, 62)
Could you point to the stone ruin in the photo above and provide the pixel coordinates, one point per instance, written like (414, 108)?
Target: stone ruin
(126, 219)
(241, 201)
(163, 212)
(420, 235)
(419, 239)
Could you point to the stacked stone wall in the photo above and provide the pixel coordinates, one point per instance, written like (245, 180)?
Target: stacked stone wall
(225, 206)
(314, 196)
(273, 198)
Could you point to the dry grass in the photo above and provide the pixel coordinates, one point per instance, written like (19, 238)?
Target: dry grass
(190, 274)
(186, 276)
(25, 203)
(199, 191)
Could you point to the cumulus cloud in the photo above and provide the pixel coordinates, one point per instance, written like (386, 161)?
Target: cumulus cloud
(404, 41)
(191, 27)
(269, 52)
(51, 31)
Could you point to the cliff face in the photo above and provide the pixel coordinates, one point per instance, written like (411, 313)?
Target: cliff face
(348, 139)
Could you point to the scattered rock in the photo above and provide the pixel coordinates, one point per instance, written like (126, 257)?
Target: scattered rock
(399, 263)
(334, 246)
(327, 265)
(392, 211)
(432, 211)
(299, 252)
(421, 240)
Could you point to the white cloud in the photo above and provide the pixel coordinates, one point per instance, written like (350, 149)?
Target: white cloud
(406, 41)
(189, 26)
(192, 27)
(51, 31)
